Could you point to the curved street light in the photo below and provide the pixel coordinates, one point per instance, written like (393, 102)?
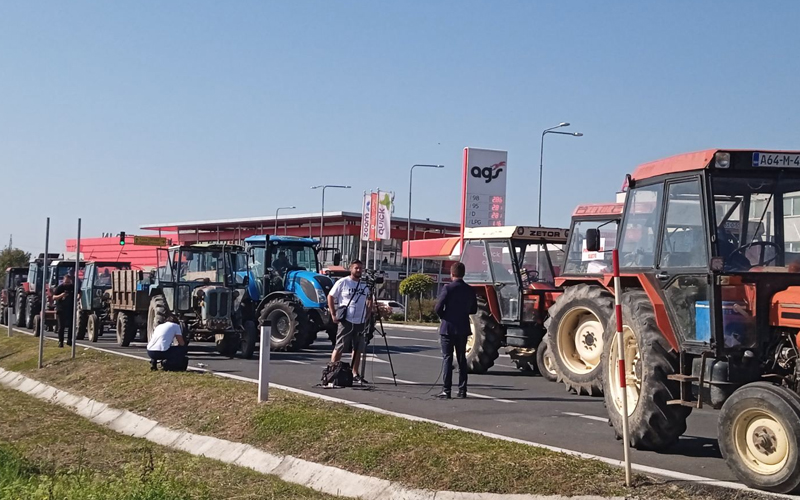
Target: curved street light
(551, 130)
(322, 213)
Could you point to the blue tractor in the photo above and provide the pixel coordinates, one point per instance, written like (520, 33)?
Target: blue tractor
(286, 288)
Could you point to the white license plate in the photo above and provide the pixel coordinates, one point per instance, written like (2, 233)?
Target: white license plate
(775, 160)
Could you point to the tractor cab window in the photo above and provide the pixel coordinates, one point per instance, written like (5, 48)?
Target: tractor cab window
(579, 259)
(534, 263)
(102, 274)
(196, 265)
(501, 257)
(642, 216)
(240, 267)
(476, 262)
(295, 257)
(684, 240)
(748, 234)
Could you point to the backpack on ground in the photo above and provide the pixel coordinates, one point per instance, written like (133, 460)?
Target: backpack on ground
(337, 374)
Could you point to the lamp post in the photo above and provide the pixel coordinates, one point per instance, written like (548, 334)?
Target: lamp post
(408, 224)
(551, 130)
(275, 232)
(322, 213)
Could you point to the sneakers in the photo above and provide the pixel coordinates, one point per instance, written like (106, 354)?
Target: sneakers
(358, 379)
(462, 395)
(443, 395)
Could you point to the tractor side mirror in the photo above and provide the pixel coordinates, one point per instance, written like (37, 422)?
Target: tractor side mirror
(337, 259)
(592, 240)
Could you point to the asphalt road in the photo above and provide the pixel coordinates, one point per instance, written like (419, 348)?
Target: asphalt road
(503, 401)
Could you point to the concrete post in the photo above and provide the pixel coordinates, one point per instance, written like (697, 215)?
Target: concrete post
(263, 365)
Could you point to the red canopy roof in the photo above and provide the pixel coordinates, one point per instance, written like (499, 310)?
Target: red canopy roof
(435, 248)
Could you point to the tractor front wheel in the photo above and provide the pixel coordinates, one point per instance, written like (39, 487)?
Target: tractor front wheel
(249, 339)
(653, 424)
(759, 436)
(156, 314)
(19, 309)
(228, 345)
(36, 325)
(30, 311)
(485, 338)
(545, 362)
(288, 324)
(93, 328)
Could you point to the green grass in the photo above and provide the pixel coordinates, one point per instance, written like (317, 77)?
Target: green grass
(419, 455)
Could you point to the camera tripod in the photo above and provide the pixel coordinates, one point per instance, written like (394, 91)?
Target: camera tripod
(372, 326)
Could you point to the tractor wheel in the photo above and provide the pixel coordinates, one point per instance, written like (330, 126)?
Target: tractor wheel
(524, 359)
(126, 329)
(228, 345)
(545, 362)
(36, 325)
(288, 324)
(332, 331)
(4, 316)
(483, 343)
(653, 424)
(759, 436)
(249, 339)
(19, 309)
(156, 314)
(30, 311)
(83, 326)
(93, 327)
(575, 332)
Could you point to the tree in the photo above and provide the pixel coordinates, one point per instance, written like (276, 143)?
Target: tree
(12, 257)
(417, 285)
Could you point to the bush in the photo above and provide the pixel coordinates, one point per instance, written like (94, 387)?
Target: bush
(423, 310)
(415, 286)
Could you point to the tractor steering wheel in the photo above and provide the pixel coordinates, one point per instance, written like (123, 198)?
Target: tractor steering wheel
(763, 244)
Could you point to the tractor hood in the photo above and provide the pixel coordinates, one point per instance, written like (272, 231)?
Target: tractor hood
(310, 287)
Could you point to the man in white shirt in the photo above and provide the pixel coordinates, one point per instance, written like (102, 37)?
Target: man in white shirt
(160, 347)
(350, 308)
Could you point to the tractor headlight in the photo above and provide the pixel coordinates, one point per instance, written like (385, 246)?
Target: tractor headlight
(308, 288)
(321, 296)
(722, 160)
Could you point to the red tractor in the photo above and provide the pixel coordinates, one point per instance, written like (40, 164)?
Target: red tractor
(28, 295)
(709, 248)
(15, 277)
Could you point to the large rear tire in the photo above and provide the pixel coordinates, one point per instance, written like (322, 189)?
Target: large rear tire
(759, 436)
(288, 322)
(653, 424)
(485, 339)
(4, 315)
(30, 311)
(249, 339)
(545, 362)
(575, 332)
(126, 329)
(36, 325)
(19, 309)
(156, 314)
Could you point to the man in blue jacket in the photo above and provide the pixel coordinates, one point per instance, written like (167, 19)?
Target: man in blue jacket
(456, 302)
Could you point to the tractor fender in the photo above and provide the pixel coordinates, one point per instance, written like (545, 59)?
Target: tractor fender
(271, 297)
(490, 295)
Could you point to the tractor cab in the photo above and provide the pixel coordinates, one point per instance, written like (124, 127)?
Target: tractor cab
(58, 269)
(36, 273)
(96, 283)
(513, 271)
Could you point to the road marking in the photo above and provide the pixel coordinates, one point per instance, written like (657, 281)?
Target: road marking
(588, 417)
(482, 396)
(293, 361)
(372, 357)
(394, 337)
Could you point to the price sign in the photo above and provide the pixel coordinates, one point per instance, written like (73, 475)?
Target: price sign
(485, 173)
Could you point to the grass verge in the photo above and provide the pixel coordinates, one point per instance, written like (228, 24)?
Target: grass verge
(419, 455)
(48, 452)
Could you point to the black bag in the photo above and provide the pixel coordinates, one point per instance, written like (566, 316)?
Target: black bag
(339, 374)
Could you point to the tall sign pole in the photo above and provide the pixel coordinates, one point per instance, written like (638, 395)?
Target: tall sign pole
(44, 293)
(75, 314)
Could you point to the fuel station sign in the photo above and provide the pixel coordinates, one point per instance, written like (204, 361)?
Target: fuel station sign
(484, 188)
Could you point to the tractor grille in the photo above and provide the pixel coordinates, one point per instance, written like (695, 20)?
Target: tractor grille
(325, 283)
(218, 303)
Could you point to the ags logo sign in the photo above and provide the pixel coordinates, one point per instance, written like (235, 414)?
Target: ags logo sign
(488, 173)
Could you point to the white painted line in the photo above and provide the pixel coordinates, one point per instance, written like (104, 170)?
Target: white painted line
(588, 417)
(394, 337)
(293, 361)
(470, 393)
(372, 357)
(680, 476)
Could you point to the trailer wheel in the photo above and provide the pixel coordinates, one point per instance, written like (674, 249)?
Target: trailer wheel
(759, 436)
(653, 424)
(36, 325)
(126, 329)
(19, 309)
(545, 362)
(92, 328)
(483, 343)
(30, 311)
(575, 331)
(249, 338)
(288, 321)
(156, 314)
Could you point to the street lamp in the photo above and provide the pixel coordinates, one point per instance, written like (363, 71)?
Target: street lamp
(551, 130)
(276, 217)
(322, 213)
(408, 224)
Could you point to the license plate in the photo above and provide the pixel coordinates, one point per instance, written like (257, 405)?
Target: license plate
(775, 160)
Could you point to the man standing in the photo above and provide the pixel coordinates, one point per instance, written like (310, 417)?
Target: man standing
(350, 308)
(455, 304)
(160, 346)
(64, 297)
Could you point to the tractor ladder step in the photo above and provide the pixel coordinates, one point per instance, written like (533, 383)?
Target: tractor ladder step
(678, 377)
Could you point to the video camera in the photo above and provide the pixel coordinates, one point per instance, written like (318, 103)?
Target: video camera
(372, 277)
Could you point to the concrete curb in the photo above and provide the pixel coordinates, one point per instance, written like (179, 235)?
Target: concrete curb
(323, 478)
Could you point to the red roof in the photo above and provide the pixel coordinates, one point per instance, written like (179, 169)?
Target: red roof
(679, 163)
(598, 209)
(435, 248)
(109, 250)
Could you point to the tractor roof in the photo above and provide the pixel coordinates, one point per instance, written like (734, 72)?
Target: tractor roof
(281, 239)
(534, 234)
(598, 209)
(218, 247)
(699, 160)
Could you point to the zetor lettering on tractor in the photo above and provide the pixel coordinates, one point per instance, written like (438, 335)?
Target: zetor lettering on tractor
(709, 249)
(512, 271)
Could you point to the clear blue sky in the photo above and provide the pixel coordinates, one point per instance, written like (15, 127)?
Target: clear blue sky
(126, 113)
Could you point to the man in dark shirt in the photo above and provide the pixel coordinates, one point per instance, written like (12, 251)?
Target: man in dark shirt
(64, 297)
(455, 304)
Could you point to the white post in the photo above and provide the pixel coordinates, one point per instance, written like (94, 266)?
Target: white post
(263, 365)
(75, 314)
(10, 319)
(44, 293)
(623, 372)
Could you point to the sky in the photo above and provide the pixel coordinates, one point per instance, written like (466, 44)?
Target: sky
(127, 113)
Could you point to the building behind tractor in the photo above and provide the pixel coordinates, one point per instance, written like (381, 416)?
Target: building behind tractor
(15, 277)
(709, 248)
(94, 307)
(287, 291)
